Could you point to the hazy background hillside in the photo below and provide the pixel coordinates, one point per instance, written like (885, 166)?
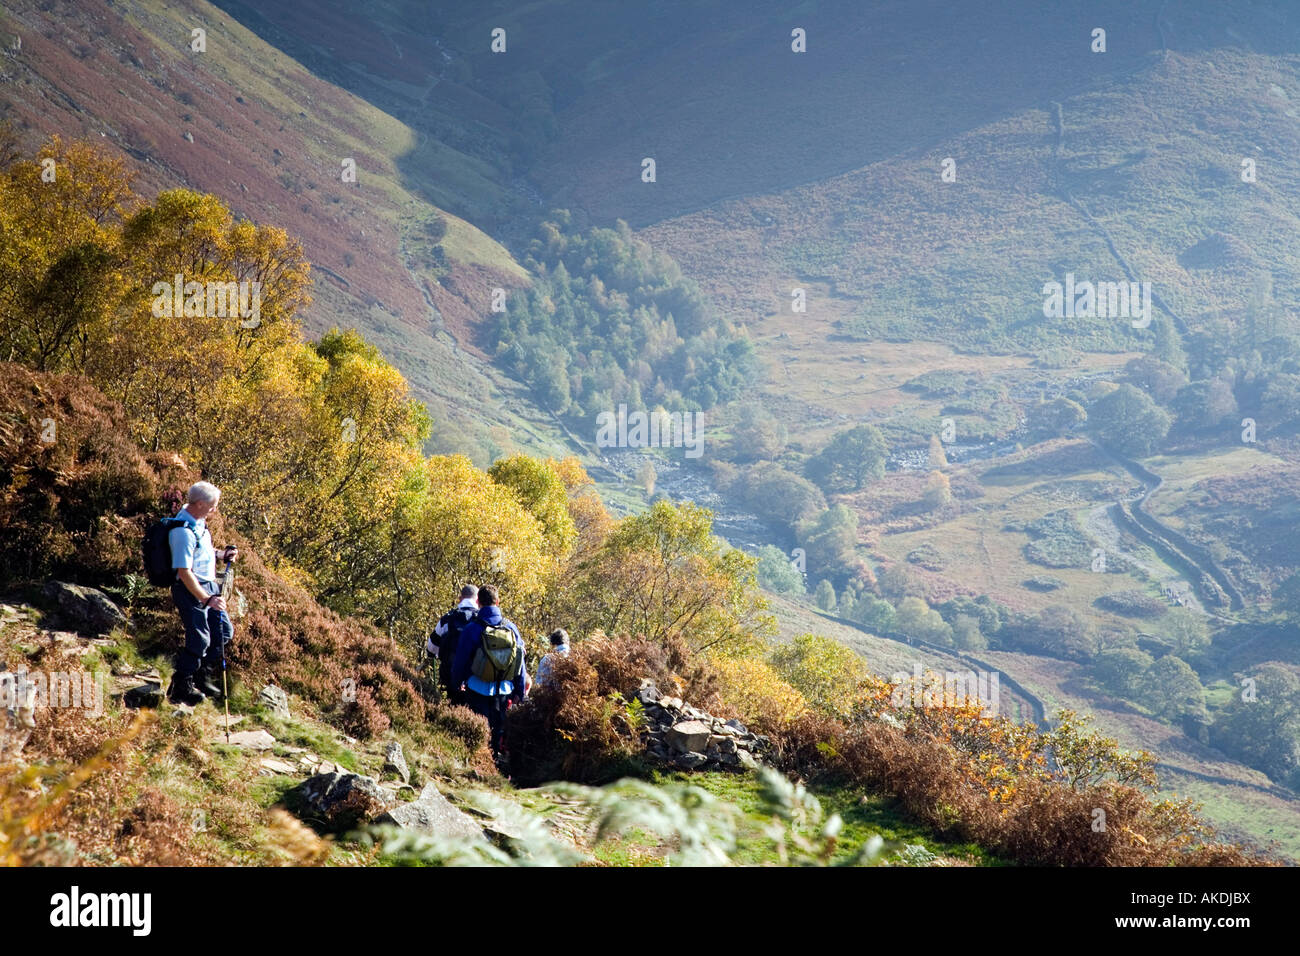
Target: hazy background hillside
(259, 129)
(941, 461)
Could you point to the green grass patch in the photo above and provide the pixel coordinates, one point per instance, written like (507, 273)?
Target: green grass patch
(864, 816)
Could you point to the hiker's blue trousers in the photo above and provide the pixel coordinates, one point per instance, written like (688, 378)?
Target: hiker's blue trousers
(200, 625)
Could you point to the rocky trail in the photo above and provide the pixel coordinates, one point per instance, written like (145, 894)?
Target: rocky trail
(349, 785)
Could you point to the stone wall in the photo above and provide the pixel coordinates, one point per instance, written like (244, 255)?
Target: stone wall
(685, 738)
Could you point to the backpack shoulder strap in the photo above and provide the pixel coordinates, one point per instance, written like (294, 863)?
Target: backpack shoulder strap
(487, 656)
(173, 523)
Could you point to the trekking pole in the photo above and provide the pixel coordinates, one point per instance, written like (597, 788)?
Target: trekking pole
(226, 576)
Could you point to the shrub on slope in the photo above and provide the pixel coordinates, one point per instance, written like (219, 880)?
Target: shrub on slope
(76, 507)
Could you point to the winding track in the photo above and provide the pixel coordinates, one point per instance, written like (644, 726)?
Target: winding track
(1205, 575)
(1213, 583)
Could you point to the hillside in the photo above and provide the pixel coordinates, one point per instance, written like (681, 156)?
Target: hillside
(925, 313)
(881, 450)
(251, 124)
(896, 254)
(182, 792)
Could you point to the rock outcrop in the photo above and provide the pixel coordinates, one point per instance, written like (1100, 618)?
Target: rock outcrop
(395, 762)
(340, 800)
(433, 814)
(83, 609)
(275, 700)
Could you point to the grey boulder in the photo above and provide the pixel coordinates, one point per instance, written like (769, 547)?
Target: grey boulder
(432, 813)
(86, 610)
(275, 700)
(688, 735)
(341, 800)
(691, 760)
(395, 761)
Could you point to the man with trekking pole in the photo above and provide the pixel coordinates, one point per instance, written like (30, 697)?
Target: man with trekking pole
(198, 598)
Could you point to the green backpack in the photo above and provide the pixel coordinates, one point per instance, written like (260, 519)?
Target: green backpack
(498, 657)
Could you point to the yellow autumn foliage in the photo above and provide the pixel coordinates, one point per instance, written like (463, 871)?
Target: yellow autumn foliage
(757, 692)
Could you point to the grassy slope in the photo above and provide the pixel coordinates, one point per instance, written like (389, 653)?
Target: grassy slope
(872, 79)
(963, 263)
(219, 796)
(213, 804)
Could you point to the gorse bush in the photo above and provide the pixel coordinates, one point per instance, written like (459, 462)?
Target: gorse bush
(990, 781)
(463, 724)
(830, 676)
(75, 504)
(663, 572)
(756, 692)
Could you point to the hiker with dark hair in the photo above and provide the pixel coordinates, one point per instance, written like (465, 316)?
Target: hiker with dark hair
(445, 639)
(559, 648)
(490, 662)
(197, 597)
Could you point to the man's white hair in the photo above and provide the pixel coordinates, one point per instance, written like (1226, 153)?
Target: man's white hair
(202, 491)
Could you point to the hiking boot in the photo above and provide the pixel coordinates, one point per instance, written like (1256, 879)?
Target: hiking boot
(183, 691)
(208, 682)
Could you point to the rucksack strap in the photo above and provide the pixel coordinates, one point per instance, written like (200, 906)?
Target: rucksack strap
(464, 613)
(194, 555)
(173, 523)
(487, 655)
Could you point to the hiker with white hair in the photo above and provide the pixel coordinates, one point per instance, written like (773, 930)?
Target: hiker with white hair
(559, 648)
(445, 638)
(197, 596)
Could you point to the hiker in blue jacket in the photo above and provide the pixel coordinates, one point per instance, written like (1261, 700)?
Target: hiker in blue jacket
(485, 695)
